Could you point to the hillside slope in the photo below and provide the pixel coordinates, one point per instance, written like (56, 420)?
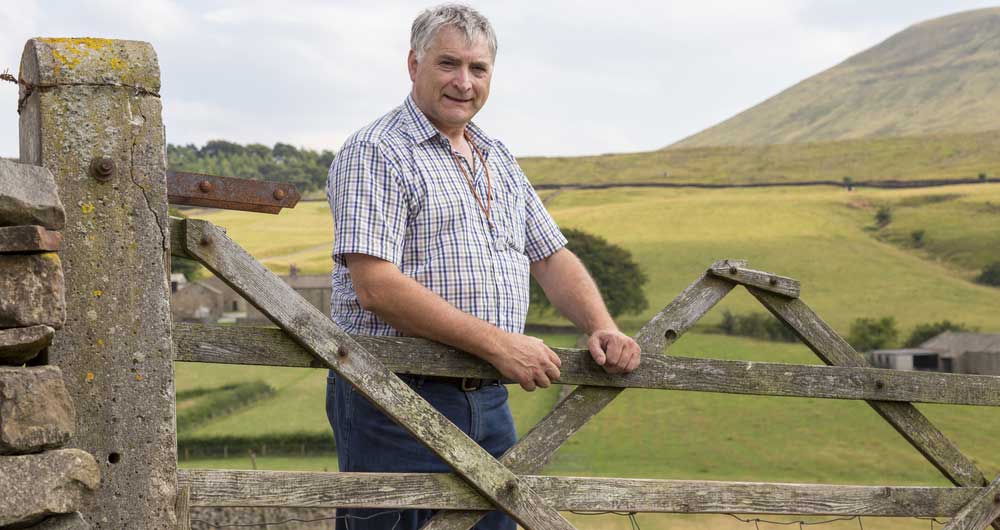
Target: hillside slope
(816, 235)
(950, 156)
(938, 76)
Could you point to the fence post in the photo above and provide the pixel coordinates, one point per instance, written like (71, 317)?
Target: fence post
(90, 113)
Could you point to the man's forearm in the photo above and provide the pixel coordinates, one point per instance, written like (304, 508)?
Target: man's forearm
(572, 291)
(415, 310)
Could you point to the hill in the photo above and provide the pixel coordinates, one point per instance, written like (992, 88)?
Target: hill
(946, 156)
(939, 76)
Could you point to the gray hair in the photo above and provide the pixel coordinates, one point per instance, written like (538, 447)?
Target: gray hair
(461, 17)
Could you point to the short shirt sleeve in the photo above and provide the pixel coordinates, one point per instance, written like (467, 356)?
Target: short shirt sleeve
(542, 234)
(368, 203)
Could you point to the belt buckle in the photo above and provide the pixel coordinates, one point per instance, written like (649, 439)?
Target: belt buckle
(470, 384)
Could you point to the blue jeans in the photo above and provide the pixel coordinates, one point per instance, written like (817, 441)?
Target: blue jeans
(368, 441)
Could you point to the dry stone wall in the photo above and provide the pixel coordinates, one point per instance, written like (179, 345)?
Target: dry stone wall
(43, 484)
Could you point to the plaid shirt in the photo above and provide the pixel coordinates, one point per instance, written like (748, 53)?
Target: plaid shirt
(397, 193)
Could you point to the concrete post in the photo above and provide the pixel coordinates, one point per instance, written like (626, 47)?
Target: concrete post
(91, 115)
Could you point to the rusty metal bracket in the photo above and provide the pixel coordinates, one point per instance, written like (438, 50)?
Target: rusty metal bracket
(230, 193)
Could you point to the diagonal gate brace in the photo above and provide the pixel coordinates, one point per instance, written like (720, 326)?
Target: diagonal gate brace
(533, 451)
(980, 511)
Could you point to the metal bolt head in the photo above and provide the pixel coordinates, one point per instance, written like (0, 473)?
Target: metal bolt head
(205, 186)
(733, 270)
(102, 169)
(205, 240)
(879, 384)
(342, 351)
(772, 280)
(279, 194)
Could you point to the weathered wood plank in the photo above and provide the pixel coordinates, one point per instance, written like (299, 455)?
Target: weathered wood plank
(759, 279)
(663, 329)
(244, 345)
(536, 448)
(183, 508)
(982, 510)
(448, 492)
(319, 335)
(904, 417)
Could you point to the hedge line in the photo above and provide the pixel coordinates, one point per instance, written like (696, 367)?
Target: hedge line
(756, 325)
(220, 402)
(285, 444)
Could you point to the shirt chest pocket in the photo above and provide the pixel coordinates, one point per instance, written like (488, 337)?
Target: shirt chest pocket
(510, 214)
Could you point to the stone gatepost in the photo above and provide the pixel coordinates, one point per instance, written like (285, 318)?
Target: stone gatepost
(90, 113)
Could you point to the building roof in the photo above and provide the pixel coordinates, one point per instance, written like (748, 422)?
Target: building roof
(309, 281)
(955, 342)
(906, 351)
(300, 281)
(205, 286)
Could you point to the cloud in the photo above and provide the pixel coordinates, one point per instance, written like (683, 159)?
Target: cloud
(572, 77)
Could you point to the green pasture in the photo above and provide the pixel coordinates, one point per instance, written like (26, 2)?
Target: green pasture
(960, 229)
(823, 237)
(948, 156)
(818, 236)
(669, 434)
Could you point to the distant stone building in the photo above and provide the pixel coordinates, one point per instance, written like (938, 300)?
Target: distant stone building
(968, 353)
(957, 352)
(223, 303)
(908, 359)
(196, 302)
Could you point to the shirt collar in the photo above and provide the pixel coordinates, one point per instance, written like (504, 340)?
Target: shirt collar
(422, 129)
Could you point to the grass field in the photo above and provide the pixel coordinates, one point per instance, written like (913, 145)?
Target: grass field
(961, 230)
(668, 434)
(680, 435)
(903, 158)
(822, 237)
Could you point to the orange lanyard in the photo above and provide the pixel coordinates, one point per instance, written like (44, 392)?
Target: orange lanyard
(489, 187)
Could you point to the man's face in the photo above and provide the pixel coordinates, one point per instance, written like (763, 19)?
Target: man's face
(452, 81)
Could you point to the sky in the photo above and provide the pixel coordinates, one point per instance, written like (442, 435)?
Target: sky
(571, 78)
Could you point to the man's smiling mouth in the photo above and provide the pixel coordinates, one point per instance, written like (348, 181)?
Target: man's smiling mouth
(457, 99)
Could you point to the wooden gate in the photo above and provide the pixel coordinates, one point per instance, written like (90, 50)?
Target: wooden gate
(308, 338)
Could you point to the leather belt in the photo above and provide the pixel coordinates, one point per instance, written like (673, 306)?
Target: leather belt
(465, 384)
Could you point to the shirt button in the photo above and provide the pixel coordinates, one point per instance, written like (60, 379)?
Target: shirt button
(501, 244)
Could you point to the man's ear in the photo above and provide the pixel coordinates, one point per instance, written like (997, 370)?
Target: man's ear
(411, 64)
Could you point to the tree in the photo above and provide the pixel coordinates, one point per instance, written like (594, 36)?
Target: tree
(982, 177)
(870, 334)
(304, 168)
(917, 236)
(924, 332)
(883, 217)
(990, 275)
(619, 278)
(849, 183)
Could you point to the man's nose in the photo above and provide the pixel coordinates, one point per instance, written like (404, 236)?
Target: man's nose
(463, 80)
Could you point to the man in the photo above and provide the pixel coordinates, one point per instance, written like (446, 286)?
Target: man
(436, 232)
